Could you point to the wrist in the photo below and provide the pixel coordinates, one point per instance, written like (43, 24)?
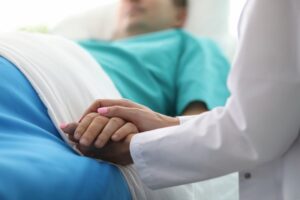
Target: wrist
(127, 157)
(171, 121)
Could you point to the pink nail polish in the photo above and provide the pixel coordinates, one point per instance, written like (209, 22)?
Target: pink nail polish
(63, 125)
(103, 110)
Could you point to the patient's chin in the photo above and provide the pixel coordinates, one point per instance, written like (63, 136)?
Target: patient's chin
(136, 28)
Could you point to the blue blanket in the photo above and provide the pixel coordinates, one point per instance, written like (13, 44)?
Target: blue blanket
(35, 163)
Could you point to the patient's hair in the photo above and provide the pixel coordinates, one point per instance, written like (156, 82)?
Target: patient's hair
(181, 3)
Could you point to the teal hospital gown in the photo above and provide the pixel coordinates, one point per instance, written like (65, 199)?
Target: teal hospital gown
(165, 70)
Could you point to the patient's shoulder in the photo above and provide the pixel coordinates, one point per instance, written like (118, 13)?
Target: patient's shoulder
(190, 37)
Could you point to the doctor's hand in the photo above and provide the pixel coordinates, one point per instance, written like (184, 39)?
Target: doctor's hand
(142, 117)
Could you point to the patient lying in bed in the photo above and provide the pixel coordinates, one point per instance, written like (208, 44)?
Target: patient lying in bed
(152, 61)
(35, 162)
(33, 154)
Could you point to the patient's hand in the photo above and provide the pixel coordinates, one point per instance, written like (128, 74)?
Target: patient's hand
(97, 130)
(142, 117)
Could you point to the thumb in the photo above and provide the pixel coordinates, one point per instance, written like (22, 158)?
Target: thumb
(69, 128)
(111, 102)
(125, 113)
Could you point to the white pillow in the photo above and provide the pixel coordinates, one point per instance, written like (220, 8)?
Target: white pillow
(206, 18)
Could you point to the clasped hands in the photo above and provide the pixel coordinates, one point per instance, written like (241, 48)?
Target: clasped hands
(108, 126)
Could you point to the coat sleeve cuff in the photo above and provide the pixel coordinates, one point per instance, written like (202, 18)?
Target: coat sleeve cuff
(184, 119)
(140, 165)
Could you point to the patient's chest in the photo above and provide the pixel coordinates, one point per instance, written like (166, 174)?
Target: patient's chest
(143, 69)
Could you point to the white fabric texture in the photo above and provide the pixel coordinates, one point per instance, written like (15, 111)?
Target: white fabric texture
(257, 132)
(68, 80)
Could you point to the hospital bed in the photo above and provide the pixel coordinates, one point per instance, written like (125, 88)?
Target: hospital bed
(67, 175)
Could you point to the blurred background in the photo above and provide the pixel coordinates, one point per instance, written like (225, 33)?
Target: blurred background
(44, 14)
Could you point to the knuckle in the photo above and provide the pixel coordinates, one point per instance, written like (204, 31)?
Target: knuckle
(92, 130)
(89, 136)
(97, 102)
(133, 127)
(108, 131)
(130, 128)
(79, 130)
(125, 101)
(101, 119)
(90, 116)
(136, 110)
(117, 121)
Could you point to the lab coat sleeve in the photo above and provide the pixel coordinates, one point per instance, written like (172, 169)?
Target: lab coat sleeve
(260, 120)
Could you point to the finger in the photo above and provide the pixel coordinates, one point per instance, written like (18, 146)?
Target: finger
(90, 151)
(116, 152)
(124, 131)
(69, 128)
(84, 124)
(111, 102)
(71, 138)
(111, 127)
(128, 114)
(84, 150)
(120, 102)
(93, 130)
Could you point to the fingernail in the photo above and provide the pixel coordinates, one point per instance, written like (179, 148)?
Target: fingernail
(115, 137)
(98, 143)
(76, 136)
(103, 110)
(63, 125)
(83, 141)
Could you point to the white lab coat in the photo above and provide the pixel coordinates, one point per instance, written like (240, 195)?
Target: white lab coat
(256, 133)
